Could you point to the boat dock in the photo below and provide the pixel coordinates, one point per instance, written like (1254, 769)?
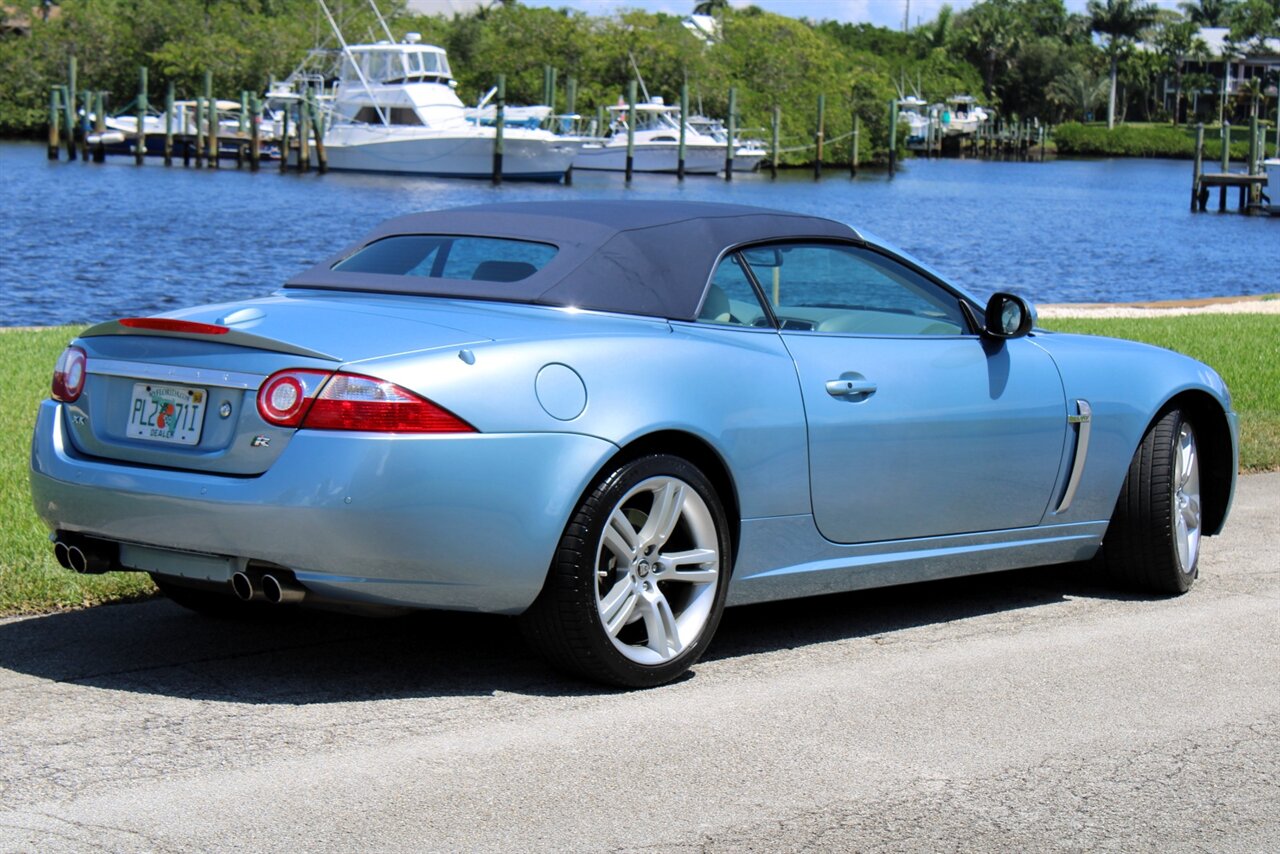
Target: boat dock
(1250, 183)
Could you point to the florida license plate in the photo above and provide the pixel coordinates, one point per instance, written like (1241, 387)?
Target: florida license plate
(166, 413)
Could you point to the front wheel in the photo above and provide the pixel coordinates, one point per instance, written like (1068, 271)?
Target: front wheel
(1153, 541)
(638, 583)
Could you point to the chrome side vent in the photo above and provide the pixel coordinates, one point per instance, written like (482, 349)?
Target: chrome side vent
(1083, 421)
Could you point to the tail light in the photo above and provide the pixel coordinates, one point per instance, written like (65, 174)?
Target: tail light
(320, 401)
(169, 324)
(283, 399)
(68, 374)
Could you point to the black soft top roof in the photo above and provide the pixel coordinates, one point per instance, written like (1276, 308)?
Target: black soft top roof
(635, 257)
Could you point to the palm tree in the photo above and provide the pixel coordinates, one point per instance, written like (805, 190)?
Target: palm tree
(1206, 13)
(1079, 90)
(1178, 41)
(994, 32)
(1119, 22)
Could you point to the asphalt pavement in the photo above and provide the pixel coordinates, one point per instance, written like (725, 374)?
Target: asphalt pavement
(1031, 711)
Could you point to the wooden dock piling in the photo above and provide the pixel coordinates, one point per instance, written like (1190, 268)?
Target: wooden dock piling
(681, 147)
(140, 138)
(284, 140)
(631, 128)
(86, 108)
(255, 133)
(317, 129)
(211, 109)
(168, 124)
(1226, 164)
(733, 132)
(55, 119)
(499, 116)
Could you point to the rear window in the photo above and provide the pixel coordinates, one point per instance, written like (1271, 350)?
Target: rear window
(435, 256)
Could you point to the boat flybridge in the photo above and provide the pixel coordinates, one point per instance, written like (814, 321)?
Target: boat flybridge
(657, 143)
(395, 110)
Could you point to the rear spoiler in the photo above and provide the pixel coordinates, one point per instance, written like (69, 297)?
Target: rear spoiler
(168, 327)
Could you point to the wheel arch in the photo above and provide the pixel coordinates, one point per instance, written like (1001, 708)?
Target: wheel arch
(1216, 449)
(700, 453)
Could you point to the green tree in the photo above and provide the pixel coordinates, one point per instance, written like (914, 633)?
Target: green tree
(1119, 22)
(993, 32)
(1080, 90)
(1177, 41)
(1207, 13)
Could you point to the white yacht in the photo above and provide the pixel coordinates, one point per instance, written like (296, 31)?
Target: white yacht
(395, 110)
(747, 153)
(657, 143)
(961, 116)
(915, 112)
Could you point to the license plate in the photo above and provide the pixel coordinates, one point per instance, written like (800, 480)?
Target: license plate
(166, 413)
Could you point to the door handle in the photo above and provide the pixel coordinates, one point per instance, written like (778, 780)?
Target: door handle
(850, 388)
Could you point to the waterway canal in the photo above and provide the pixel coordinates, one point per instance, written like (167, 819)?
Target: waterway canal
(85, 242)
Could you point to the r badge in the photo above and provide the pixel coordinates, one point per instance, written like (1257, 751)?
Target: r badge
(260, 442)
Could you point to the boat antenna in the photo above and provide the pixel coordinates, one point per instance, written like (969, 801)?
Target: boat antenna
(346, 52)
(383, 21)
(644, 89)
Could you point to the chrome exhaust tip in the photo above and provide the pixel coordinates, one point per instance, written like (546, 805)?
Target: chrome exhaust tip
(282, 591)
(60, 554)
(87, 560)
(244, 587)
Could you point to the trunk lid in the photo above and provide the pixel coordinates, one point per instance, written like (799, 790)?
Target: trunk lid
(186, 397)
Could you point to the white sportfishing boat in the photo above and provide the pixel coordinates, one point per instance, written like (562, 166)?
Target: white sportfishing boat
(915, 112)
(395, 111)
(747, 153)
(657, 143)
(961, 116)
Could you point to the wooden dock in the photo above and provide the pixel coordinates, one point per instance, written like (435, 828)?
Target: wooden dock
(1250, 183)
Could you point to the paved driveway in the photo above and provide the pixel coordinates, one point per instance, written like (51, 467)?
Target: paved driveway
(1027, 710)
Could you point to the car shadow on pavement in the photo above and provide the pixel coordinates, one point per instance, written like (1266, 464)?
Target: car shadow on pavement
(305, 657)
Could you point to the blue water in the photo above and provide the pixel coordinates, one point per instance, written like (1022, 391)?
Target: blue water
(83, 242)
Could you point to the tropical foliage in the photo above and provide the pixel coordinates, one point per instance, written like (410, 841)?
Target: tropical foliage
(1026, 58)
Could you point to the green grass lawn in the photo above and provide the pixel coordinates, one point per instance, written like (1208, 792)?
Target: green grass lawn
(1245, 349)
(30, 580)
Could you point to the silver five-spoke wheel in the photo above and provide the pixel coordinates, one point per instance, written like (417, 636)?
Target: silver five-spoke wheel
(1186, 499)
(639, 580)
(657, 569)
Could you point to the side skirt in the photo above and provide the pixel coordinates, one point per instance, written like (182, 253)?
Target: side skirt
(764, 572)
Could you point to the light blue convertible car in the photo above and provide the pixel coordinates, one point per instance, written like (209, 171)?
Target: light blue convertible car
(614, 419)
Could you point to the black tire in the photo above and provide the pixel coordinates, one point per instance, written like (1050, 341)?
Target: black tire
(208, 601)
(565, 623)
(1141, 550)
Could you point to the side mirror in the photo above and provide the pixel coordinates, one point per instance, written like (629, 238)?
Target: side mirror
(1009, 316)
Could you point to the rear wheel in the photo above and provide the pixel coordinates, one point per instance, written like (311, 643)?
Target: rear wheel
(1153, 541)
(638, 583)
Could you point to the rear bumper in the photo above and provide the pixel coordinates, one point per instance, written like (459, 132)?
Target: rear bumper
(461, 522)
